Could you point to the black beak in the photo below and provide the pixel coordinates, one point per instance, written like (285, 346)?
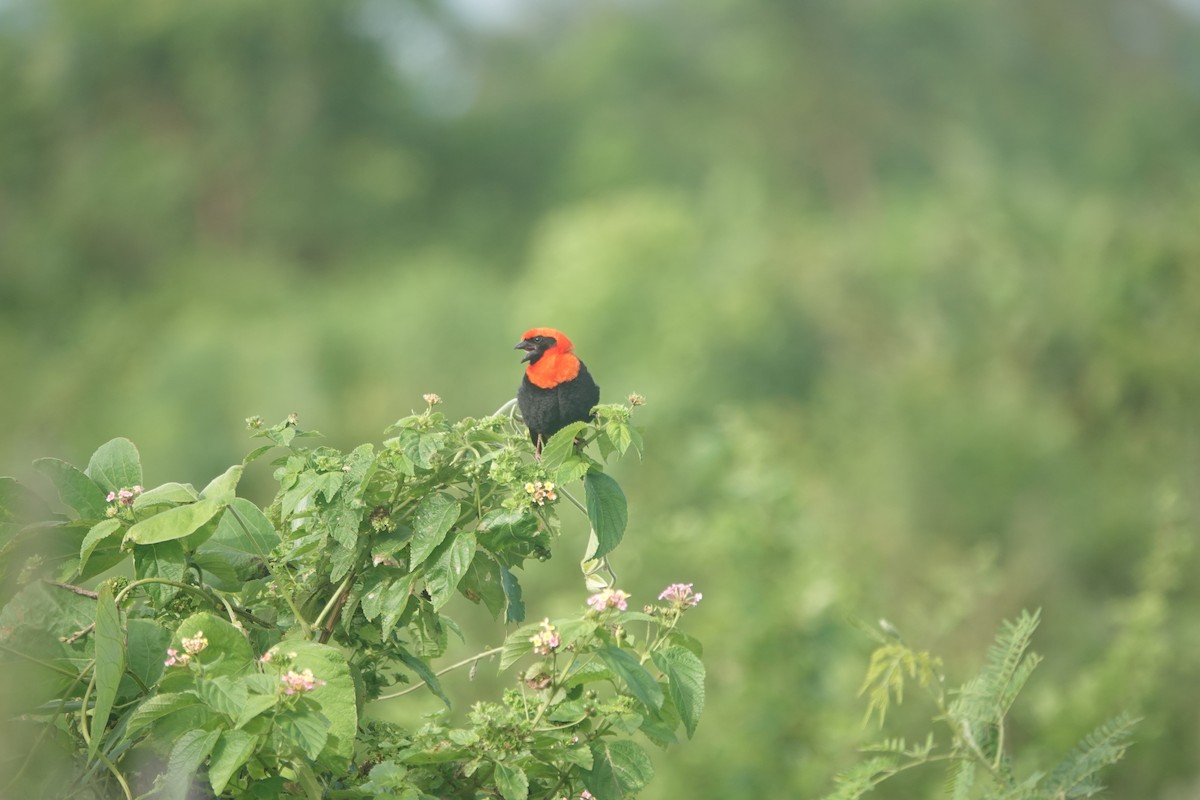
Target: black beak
(528, 347)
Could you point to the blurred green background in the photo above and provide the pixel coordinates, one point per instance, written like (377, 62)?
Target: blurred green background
(912, 289)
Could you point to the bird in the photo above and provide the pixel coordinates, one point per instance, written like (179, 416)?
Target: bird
(557, 388)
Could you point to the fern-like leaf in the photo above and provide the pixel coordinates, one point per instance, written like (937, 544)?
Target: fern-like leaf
(962, 778)
(984, 701)
(1078, 774)
(862, 778)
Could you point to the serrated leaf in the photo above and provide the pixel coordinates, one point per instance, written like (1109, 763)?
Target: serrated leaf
(637, 679)
(165, 560)
(232, 750)
(620, 769)
(255, 704)
(76, 490)
(187, 755)
(394, 601)
(115, 465)
(304, 730)
(512, 782)
(432, 520)
(685, 682)
(561, 447)
(223, 488)
(174, 523)
(517, 644)
(98, 533)
(607, 510)
(110, 662)
(224, 694)
(336, 700)
(448, 566)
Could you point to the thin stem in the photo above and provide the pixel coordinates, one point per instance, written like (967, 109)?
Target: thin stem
(575, 502)
(116, 774)
(439, 673)
(345, 585)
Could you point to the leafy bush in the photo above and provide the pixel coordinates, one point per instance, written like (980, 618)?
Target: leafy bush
(239, 651)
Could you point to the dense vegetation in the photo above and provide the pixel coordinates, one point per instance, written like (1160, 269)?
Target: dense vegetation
(910, 290)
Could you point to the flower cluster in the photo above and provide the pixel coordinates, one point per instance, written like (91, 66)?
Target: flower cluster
(681, 595)
(299, 682)
(431, 398)
(541, 492)
(122, 497)
(609, 598)
(636, 400)
(191, 647)
(381, 520)
(546, 640)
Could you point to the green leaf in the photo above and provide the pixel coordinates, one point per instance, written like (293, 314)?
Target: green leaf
(167, 494)
(227, 653)
(115, 465)
(512, 782)
(482, 583)
(223, 488)
(76, 490)
(232, 750)
(448, 566)
(335, 700)
(637, 679)
(515, 610)
(685, 676)
(560, 449)
(160, 705)
(517, 644)
(255, 704)
(608, 511)
(224, 694)
(433, 519)
(619, 769)
(110, 662)
(218, 571)
(1079, 773)
(163, 560)
(392, 601)
(304, 730)
(244, 536)
(174, 523)
(187, 755)
(146, 650)
(99, 532)
(425, 673)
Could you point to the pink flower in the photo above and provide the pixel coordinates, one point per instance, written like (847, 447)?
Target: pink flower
(299, 682)
(681, 595)
(110, 497)
(176, 658)
(609, 598)
(546, 640)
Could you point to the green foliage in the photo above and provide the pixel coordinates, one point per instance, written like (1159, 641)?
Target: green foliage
(251, 641)
(909, 288)
(973, 742)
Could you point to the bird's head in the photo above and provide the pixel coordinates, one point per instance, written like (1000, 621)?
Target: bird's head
(536, 342)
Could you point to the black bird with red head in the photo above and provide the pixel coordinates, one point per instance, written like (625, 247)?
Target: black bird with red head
(557, 388)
